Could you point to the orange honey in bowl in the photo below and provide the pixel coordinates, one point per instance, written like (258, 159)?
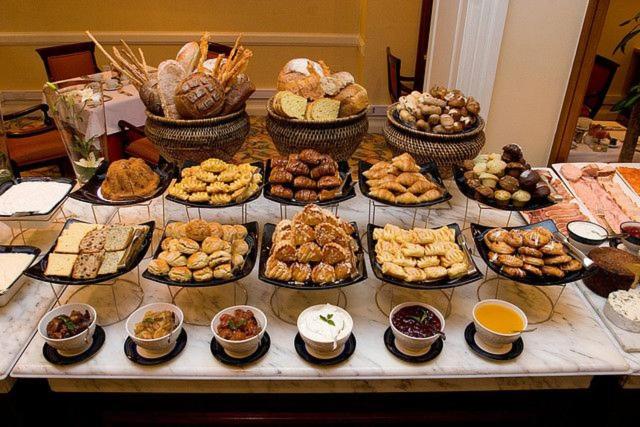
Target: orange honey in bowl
(499, 318)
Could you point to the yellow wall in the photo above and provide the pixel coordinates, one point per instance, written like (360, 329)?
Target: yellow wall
(612, 33)
(379, 22)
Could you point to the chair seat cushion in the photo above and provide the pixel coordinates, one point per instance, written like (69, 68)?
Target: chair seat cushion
(144, 149)
(37, 148)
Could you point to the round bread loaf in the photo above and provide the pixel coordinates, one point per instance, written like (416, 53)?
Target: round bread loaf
(150, 97)
(199, 96)
(353, 99)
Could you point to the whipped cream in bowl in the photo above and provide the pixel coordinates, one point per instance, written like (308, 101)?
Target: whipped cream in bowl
(325, 328)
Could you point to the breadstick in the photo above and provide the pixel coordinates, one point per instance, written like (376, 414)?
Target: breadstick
(133, 56)
(217, 66)
(204, 49)
(144, 63)
(138, 78)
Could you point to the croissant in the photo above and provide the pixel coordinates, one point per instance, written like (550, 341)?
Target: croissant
(405, 163)
(325, 194)
(300, 272)
(306, 195)
(279, 163)
(421, 186)
(311, 215)
(310, 156)
(282, 191)
(409, 178)
(323, 273)
(277, 270)
(323, 169)
(376, 173)
(394, 186)
(430, 195)
(304, 182)
(407, 199)
(280, 176)
(383, 194)
(329, 181)
(309, 252)
(327, 233)
(393, 270)
(302, 233)
(296, 168)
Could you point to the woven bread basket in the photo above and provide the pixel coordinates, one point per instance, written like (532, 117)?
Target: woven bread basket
(444, 149)
(198, 140)
(340, 137)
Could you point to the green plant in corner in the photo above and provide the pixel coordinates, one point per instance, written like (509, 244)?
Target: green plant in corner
(632, 98)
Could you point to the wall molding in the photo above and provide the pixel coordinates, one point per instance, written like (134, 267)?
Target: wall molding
(38, 38)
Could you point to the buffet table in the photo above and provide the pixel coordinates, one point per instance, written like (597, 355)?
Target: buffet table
(565, 352)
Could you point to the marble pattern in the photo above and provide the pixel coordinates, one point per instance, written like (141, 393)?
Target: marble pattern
(572, 343)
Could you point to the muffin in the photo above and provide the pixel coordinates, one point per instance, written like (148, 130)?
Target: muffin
(521, 198)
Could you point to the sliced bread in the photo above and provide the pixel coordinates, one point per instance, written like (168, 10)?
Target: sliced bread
(60, 264)
(118, 238)
(323, 109)
(110, 263)
(87, 266)
(290, 105)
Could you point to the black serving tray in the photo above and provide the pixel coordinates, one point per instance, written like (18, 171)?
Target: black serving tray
(267, 235)
(249, 262)
(344, 170)
(478, 231)
(532, 205)
(90, 192)
(8, 184)
(8, 249)
(37, 270)
(206, 205)
(443, 283)
(430, 170)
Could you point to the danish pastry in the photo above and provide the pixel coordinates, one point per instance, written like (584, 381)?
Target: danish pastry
(277, 270)
(323, 273)
(306, 195)
(302, 233)
(393, 270)
(332, 254)
(300, 272)
(309, 252)
(284, 251)
(343, 270)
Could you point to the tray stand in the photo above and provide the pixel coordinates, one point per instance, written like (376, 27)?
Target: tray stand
(288, 312)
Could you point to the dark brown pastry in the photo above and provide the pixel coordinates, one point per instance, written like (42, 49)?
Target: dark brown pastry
(611, 272)
(306, 195)
(293, 156)
(512, 153)
(509, 183)
(474, 183)
(310, 156)
(280, 176)
(542, 191)
(279, 163)
(199, 96)
(484, 191)
(325, 195)
(282, 191)
(300, 182)
(329, 181)
(469, 175)
(297, 167)
(529, 179)
(324, 169)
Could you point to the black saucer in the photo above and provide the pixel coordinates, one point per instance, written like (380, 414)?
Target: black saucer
(52, 355)
(390, 343)
(219, 353)
(469, 336)
(132, 352)
(349, 348)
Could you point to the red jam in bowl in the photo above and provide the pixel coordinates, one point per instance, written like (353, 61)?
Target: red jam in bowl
(416, 321)
(632, 230)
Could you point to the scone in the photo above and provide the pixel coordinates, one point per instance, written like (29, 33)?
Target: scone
(187, 246)
(180, 274)
(198, 230)
(197, 260)
(159, 267)
(203, 274)
(212, 244)
(175, 229)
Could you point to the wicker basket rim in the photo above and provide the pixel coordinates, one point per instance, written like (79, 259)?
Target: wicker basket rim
(463, 135)
(339, 120)
(194, 122)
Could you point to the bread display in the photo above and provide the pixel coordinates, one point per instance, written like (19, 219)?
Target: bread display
(505, 178)
(86, 251)
(128, 179)
(401, 182)
(217, 182)
(184, 88)
(200, 251)
(419, 254)
(438, 111)
(533, 253)
(314, 247)
(305, 177)
(612, 272)
(308, 90)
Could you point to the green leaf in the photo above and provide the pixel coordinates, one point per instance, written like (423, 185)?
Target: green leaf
(328, 319)
(622, 44)
(625, 103)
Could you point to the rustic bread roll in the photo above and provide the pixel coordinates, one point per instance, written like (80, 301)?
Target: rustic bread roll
(150, 96)
(170, 73)
(353, 99)
(336, 82)
(188, 56)
(323, 109)
(237, 96)
(199, 96)
(302, 77)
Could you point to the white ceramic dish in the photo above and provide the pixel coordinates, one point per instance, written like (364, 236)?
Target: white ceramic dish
(242, 348)
(77, 344)
(156, 347)
(324, 348)
(412, 346)
(494, 342)
(583, 242)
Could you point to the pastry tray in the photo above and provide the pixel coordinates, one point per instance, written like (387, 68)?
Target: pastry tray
(532, 205)
(33, 216)
(91, 192)
(14, 287)
(478, 231)
(349, 191)
(38, 269)
(267, 234)
(430, 170)
(249, 262)
(205, 205)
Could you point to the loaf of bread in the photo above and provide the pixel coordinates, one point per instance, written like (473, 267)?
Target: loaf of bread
(170, 74)
(302, 77)
(290, 105)
(237, 96)
(353, 99)
(323, 109)
(150, 96)
(188, 56)
(336, 82)
(199, 96)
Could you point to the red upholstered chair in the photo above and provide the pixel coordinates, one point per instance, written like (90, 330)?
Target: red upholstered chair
(137, 144)
(216, 49)
(599, 81)
(395, 79)
(69, 60)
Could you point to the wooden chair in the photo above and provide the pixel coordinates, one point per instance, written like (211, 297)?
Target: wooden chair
(600, 79)
(35, 146)
(395, 79)
(216, 49)
(137, 144)
(69, 60)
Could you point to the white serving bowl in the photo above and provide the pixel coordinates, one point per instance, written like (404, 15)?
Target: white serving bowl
(495, 342)
(325, 349)
(241, 348)
(409, 345)
(631, 243)
(585, 244)
(155, 347)
(74, 345)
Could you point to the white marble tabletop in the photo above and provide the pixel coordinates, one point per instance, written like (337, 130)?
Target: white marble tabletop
(573, 343)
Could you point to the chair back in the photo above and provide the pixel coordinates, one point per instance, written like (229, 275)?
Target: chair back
(69, 61)
(600, 79)
(393, 75)
(216, 49)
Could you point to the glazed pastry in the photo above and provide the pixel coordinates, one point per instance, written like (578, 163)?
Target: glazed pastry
(311, 215)
(306, 195)
(302, 233)
(277, 270)
(241, 231)
(553, 248)
(282, 191)
(300, 272)
(284, 251)
(197, 230)
(533, 269)
(557, 259)
(343, 270)
(537, 262)
(327, 233)
(297, 168)
(228, 233)
(279, 163)
(329, 181)
(309, 252)
(203, 274)
(197, 260)
(332, 253)
(573, 265)
(412, 250)
(280, 176)
(532, 252)
(420, 187)
(510, 261)
(187, 246)
(514, 272)
(553, 271)
(180, 274)
(159, 267)
(323, 273)
(325, 194)
(213, 244)
(514, 238)
(323, 169)
(311, 157)
(305, 182)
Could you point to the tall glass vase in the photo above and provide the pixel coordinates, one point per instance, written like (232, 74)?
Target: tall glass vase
(77, 107)
(5, 165)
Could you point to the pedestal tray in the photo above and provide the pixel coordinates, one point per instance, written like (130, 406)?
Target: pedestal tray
(35, 216)
(14, 287)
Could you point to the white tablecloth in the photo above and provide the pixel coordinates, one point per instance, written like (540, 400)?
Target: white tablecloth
(121, 107)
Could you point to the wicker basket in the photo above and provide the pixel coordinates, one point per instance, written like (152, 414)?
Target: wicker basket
(197, 140)
(340, 137)
(444, 149)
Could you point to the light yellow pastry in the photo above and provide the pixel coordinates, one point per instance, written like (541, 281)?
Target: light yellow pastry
(197, 260)
(433, 273)
(214, 165)
(223, 271)
(220, 199)
(177, 190)
(180, 274)
(203, 274)
(393, 270)
(199, 197)
(159, 267)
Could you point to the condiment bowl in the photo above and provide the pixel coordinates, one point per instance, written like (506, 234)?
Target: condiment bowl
(76, 344)
(582, 242)
(413, 346)
(240, 348)
(495, 342)
(630, 242)
(155, 347)
(324, 348)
